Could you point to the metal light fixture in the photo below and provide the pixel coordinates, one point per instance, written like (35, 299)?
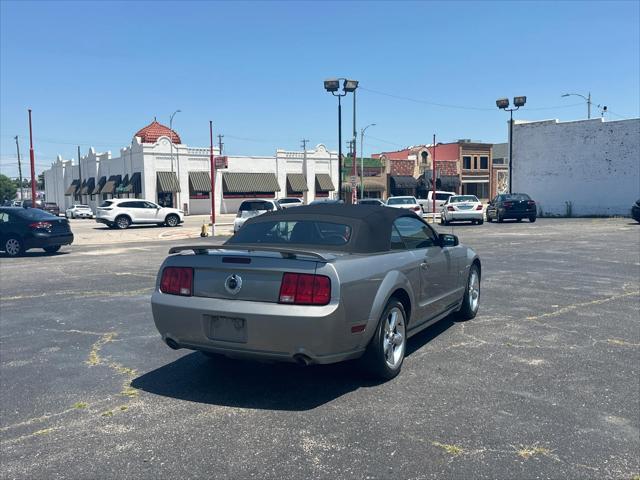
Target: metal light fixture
(502, 103)
(519, 101)
(332, 85)
(350, 85)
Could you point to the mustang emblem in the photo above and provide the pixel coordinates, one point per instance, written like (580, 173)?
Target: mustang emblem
(233, 284)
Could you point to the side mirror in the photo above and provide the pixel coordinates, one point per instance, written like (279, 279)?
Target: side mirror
(448, 240)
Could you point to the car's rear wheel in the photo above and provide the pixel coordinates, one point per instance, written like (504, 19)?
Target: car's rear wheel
(13, 246)
(471, 299)
(123, 222)
(172, 220)
(532, 219)
(480, 222)
(385, 353)
(52, 249)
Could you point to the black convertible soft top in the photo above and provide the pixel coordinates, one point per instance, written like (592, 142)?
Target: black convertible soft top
(370, 224)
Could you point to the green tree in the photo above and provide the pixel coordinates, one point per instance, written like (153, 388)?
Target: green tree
(7, 188)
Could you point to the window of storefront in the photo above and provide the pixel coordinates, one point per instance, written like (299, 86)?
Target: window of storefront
(484, 163)
(480, 190)
(466, 162)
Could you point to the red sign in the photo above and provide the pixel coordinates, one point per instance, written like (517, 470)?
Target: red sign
(222, 162)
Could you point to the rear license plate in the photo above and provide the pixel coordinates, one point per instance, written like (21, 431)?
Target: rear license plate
(465, 207)
(227, 329)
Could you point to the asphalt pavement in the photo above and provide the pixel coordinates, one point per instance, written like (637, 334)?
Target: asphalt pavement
(543, 384)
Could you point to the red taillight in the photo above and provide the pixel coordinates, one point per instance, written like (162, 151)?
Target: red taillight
(40, 225)
(531, 202)
(507, 204)
(417, 209)
(305, 289)
(177, 281)
(451, 209)
(479, 207)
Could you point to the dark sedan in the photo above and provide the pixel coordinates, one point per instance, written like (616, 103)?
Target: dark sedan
(635, 211)
(24, 228)
(511, 206)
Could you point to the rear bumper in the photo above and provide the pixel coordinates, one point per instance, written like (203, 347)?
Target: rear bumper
(104, 220)
(464, 215)
(40, 240)
(273, 331)
(517, 213)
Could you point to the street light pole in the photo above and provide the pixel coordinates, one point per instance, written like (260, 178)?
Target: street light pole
(340, 145)
(362, 158)
(33, 164)
(587, 99)
(503, 104)
(19, 169)
(171, 135)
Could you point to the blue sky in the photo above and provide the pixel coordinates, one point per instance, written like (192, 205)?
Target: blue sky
(96, 72)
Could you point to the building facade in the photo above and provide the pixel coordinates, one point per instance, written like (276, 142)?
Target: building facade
(157, 166)
(580, 168)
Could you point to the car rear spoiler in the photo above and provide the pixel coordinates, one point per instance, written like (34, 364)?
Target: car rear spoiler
(285, 252)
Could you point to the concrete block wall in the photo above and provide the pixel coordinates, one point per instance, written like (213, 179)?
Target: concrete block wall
(593, 164)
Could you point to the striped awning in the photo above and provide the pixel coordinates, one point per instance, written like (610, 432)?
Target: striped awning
(87, 186)
(134, 185)
(249, 183)
(403, 181)
(71, 190)
(199, 182)
(123, 185)
(370, 185)
(167, 182)
(112, 183)
(99, 186)
(324, 183)
(296, 182)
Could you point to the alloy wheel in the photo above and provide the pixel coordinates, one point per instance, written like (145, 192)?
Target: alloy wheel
(474, 290)
(394, 338)
(12, 247)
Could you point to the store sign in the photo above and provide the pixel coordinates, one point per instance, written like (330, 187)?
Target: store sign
(222, 162)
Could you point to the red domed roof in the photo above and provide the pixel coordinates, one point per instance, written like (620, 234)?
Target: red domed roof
(152, 132)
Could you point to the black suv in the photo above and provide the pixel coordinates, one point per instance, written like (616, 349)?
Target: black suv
(511, 205)
(24, 228)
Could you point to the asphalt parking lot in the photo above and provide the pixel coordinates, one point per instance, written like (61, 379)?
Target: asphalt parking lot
(543, 384)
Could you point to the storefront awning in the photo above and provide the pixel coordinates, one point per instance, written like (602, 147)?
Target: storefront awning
(167, 182)
(297, 182)
(112, 183)
(199, 182)
(134, 185)
(249, 182)
(403, 181)
(123, 185)
(71, 190)
(324, 183)
(370, 185)
(87, 186)
(99, 186)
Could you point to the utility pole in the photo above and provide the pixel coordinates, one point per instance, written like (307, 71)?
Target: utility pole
(19, 169)
(589, 106)
(303, 144)
(32, 158)
(433, 180)
(220, 144)
(354, 191)
(213, 181)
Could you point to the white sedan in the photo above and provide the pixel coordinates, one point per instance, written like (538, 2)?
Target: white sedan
(410, 203)
(79, 211)
(462, 208)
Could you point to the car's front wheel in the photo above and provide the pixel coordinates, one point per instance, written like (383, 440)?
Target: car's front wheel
(13, 246)
(385, 353)
(471, 299)
(52, 249)
(532, 219)
(172, 220)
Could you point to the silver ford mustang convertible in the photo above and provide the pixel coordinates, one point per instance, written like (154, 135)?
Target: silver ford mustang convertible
(317, 284)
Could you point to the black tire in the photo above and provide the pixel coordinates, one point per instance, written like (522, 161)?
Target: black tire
(52, 249)
(172, 220)
(518, 219)
(441, 220)
(480, 222)
(500, 219)
(13, 246)
(123, 222)
(373, 361)
(532, 219)
(467, 310)
(489, 218)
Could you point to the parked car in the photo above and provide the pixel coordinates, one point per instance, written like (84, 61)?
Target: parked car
(79, 211)
(22, 229)
(123, 212)
(635, 211)
(29, 204)
(327, 201)
(511, 206)
(317, 284)
(410, 203)
(290, 202)
(253, 208)
(52, 208)
(427, 203)
(462, 208)
(371, 201)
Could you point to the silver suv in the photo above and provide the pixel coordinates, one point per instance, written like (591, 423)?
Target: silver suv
(122, 212)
